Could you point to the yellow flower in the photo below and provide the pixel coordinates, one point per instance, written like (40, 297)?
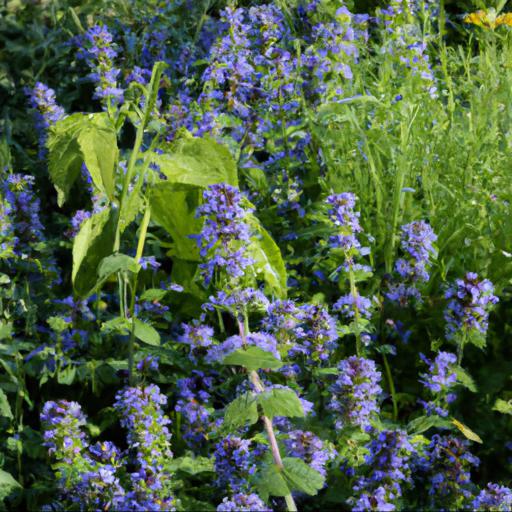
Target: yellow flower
(488, 19)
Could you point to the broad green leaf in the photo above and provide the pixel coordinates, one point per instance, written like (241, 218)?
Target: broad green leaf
(281, 402)
(7, 484)
(191, 465)
(465, 379)
(82, 138)
(116, 263)
(505, 407)
(252, 358)
(67, 375)
(269, 264)
(5, 330)
(173, 206)
(117, 325)
(424, 423)
(199, 162)
(5, 408)
(98, 143)
(301, 477)
(94, 241)
(153, 294)
(241, 410)
(270, 481)
(146, 333)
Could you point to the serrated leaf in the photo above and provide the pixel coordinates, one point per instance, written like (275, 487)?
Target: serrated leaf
(301, 477)
(280, 402)
(5, 407)
(269, 263)
(270, 481)
(252, 358)
(465, 379)
(467, 431)
(192, 465)
(241, 411)
(146, 333)
(505, 407)
(94, 241)
(7, 484)
(199, 162)
(78, 139)
(424, 423)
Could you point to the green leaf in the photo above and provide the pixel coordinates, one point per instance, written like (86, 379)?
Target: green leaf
(173, 206)
(252, 358)
(241, 410)
(98, 142)
(465, 379)
(199, 162)
(269, 264)
(7, 484)
(270, 481)
(424, 423)
(5, 407)
(82, 138)
(5, 330)
(67, 375)
(94, 241)
(146, 333)
(117, 325)
(505, 407)
(191, 465)
(468, 433)
(116, 263)
(281, 402)
(301, 477)
(153, 294)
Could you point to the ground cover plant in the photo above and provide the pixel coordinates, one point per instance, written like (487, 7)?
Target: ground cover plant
(255, 255)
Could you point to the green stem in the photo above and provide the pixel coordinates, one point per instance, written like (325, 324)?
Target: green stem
(267, 422)
(391, 385)
(357, 316)
(138, 256)
(460, 348)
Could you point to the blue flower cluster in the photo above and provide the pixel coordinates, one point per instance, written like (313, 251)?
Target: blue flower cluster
(225, 233)
(310, 448)
(441, 377)
(148, 435)
(447, 463)
(495, 497)
(389, 460)
(469, 302)
(417, 243)
(47, 112)
(236, 462)
(243, 503)
(192, 404)
(355, 392)
(98, 51)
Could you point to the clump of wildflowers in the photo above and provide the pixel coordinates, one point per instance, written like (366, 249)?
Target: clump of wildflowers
(48, 112)
(441, 377)
(243, 502)
(141, 414)
(495, 497)
(310, 448)
(198, 337)
(22, 205)
(235, 462)
(355, 392)
(390, 471)
(63, 422)
(98, 50)
(192, 404)
(417, 243)
(225, 233)
(469, 302)
(262, 340)
(448, 463)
